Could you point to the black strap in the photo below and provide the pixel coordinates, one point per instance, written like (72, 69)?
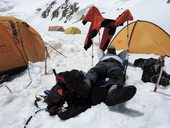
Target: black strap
(54, 71)
(37, 99)
(14, 31)
(29, 119)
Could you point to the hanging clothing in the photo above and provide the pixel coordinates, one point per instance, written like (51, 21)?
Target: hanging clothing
(97, 21)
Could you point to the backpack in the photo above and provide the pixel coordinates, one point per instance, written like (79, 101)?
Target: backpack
(69, 89)
(151, 69)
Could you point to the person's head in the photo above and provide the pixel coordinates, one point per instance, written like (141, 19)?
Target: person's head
(111, 49)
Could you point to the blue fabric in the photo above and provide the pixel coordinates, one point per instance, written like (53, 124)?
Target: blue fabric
(47, 92)
(101, 83)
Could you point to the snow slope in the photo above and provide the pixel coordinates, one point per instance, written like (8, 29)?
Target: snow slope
(146, 110)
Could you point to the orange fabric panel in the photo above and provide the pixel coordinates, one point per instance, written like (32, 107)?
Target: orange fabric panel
(149, 39)
(4, 20)
(120, 40)
(145, 38)
(32, 43)
(19, 43)
(6, 23)
(10, 57)
(26, 35)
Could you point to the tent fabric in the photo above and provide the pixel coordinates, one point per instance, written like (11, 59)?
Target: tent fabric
(19, 43)
(144, 38)
(56, 28)
(72, 30)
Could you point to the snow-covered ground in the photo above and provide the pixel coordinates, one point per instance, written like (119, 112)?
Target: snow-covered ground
(146, 110)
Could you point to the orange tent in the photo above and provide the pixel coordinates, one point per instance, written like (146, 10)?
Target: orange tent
(19, 43)
(144, 38)
(56, 28)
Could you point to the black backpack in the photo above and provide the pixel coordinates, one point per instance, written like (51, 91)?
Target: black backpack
(68, 89)
(151, 69)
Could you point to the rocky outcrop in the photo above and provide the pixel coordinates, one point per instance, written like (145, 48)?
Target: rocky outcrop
(63, 12)
(45, 13)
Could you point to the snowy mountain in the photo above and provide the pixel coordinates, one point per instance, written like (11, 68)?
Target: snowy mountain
(66, 10)
(60, 12)
(6, 5)
(146, 110)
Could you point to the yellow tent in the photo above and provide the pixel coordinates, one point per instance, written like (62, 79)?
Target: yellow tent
(56, 28)
(72, 30)
(19, 43)
(144, 38)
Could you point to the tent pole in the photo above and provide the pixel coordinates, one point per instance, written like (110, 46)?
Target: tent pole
(162, 63)
(55, 50)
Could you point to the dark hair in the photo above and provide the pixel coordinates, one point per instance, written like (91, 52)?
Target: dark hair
(111, 50)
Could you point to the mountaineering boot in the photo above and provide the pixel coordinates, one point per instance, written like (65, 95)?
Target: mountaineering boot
(119, 95)
(112, 88)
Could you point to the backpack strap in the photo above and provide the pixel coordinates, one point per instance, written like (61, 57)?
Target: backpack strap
(38, 98)
(29, 119)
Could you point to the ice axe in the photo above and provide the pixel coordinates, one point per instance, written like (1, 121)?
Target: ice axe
(162, 64)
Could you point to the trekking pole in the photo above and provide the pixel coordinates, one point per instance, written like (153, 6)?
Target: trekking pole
(92, 56)
(128, 34)
(128, 44)
(99, 36)
(45, 60)
(162, 63)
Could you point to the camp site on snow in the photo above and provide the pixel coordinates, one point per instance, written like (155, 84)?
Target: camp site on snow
(73, 73)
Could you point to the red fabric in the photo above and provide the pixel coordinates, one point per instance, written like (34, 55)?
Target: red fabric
(59, 79)
(93, 16)
(162, 63)
(105, 39)
(96, 19)
(125, 16)
(60, 91)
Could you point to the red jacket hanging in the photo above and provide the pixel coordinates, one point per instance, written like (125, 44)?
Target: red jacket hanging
(97, 21)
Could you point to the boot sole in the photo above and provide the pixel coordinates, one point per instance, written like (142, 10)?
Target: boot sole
(121, 95)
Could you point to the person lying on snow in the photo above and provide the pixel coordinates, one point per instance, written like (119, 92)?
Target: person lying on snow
(82, 91)
(110, 66)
